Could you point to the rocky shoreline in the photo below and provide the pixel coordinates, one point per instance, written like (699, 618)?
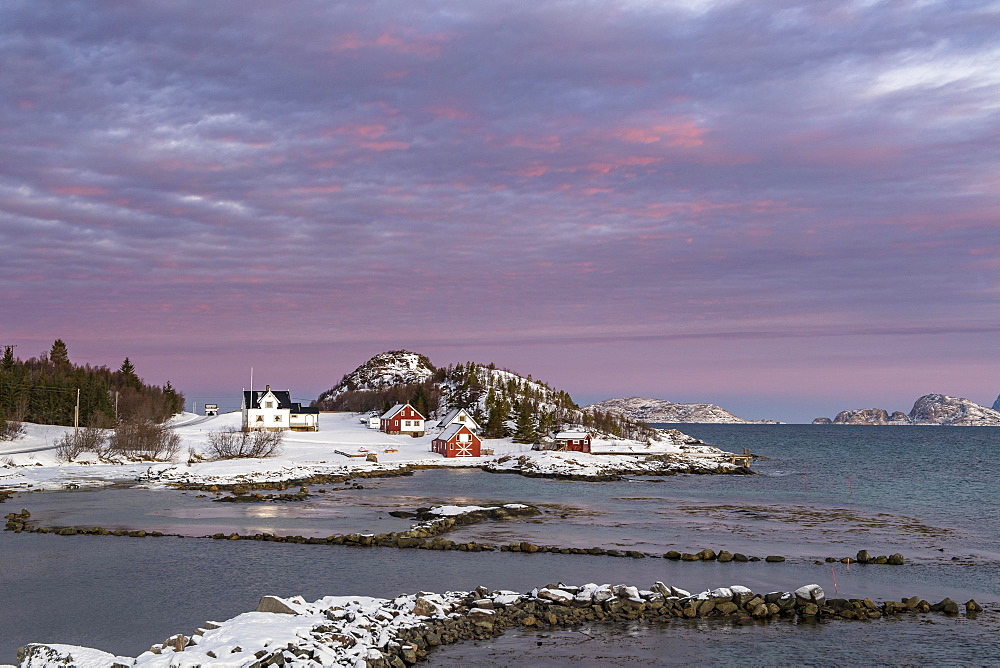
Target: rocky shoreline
(383, 633)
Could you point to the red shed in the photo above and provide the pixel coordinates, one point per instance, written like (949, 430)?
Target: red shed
(402, 419)
(457, 441)
(574, 441)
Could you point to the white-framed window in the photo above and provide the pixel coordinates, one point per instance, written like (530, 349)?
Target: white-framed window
(260, 418)
(277, 418)
(268, 404)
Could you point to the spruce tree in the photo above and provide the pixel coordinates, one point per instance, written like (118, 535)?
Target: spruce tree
(59, 354)
(524, 431)
(129, 375)
(7, 364)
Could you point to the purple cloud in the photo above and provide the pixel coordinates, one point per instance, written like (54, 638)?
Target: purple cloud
(682, 188)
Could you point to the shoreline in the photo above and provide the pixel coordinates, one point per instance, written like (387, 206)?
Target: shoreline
(321, 457)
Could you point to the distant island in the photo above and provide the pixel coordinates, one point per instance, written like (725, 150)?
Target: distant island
(663, 411)
(930, 409)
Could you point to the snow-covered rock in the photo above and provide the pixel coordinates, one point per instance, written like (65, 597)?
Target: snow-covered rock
(661, 410)
(930, 409)
(945, 410)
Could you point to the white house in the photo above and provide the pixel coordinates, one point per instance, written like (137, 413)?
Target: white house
(374, 421)
(273, 410)
(458, 416)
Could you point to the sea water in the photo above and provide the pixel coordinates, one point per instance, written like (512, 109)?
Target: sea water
(929, 493)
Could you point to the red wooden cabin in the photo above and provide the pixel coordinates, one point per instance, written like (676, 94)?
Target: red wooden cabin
(457, 441)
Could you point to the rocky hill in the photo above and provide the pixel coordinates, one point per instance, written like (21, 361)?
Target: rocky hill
(660, 410)
(930, 409)
(996, 404)
(385, 370)
(502, 401)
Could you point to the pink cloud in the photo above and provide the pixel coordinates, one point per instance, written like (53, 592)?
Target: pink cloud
(542, 143)
(385, 145)
(79, 190)
(683, 133)
(448, 112)
(537, 170)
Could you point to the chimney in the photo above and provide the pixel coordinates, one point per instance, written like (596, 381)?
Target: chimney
(267, 388)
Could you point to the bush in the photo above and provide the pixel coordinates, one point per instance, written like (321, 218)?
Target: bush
(144, 440)
(89, 439)
(234, 443)
(10, 430)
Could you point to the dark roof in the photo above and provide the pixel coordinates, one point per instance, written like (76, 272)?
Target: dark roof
(251, 399)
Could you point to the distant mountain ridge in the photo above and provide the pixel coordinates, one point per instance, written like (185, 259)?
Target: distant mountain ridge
(930, 409)
(661, 410)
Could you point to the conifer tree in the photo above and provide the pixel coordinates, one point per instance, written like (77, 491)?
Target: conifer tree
(7, 364)
(59, 354)
(524, 431)
(129, 375)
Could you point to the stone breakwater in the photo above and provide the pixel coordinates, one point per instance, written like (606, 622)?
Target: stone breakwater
(427, 536)
(383, 633)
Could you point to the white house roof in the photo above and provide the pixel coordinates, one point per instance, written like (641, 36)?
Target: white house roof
(573, 434)
(471, 421)
(392, 411)
(448, 433)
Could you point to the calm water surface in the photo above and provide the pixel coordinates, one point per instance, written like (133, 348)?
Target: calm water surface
(930, 493)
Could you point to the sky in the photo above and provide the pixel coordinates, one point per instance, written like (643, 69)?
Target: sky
(785, 208)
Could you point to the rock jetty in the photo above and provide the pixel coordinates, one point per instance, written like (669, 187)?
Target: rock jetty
(383, 633)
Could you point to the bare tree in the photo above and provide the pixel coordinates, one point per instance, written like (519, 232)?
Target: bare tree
(144, 440)
(10, 430)
(234, 443)
(89, 439)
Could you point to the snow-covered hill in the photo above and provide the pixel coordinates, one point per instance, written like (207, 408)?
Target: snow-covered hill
(660, 410)
(504, 403)
(388, 369)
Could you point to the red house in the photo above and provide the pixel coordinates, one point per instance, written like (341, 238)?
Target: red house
(457, 441)
(402, 419)
(574, 441)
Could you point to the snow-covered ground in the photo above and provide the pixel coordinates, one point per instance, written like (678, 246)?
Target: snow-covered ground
(30, 462)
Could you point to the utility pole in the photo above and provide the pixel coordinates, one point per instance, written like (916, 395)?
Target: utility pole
(76, 418)
(116, 406)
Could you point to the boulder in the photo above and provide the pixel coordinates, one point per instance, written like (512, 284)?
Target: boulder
(274, 604)
(556, 596)
(812, 593)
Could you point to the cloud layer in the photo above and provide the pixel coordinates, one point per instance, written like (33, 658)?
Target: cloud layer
(699, 192)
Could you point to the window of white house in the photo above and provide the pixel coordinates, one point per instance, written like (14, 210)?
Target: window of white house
(461, 418)
(268, 404)
(277, 418)
(260, 418)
